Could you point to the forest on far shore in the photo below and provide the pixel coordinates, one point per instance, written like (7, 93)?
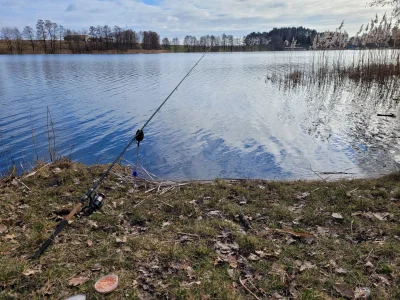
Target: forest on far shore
(51, 38)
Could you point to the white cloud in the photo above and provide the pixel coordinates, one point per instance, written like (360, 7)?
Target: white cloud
(197, 17)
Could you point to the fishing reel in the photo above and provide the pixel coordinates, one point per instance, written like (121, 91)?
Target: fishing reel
(96, 202)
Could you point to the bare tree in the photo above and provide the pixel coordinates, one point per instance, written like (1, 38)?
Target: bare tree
(17, 37)
(165, 44)
(175, 42)
(29, 34)
(107, 35)
(51, 29)
(61, 33)
(6, 33)
(41, 33)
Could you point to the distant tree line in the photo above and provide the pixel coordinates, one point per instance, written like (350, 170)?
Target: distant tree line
(279, 38)
(50, 37)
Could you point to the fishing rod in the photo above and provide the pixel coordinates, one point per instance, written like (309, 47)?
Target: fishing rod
(97, 200)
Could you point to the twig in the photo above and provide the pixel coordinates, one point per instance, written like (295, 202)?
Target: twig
(148, 191)
(188, 234)
(167, 204)
(23, 184)
(136, 205)
(248, 290)
(353, 190)
(33, 173)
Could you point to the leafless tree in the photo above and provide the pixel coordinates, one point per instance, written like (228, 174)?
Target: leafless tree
(6, 34)
(29, 34)
(17, 38)
(41, 33)
(61, 33)
(175, 42)
(165, 44)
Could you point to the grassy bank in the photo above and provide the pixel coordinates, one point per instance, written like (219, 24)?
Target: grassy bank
(215, 240)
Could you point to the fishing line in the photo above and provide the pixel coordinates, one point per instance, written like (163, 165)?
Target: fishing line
(97, 200)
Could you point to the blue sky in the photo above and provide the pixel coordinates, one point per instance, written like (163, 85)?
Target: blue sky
(177, 18)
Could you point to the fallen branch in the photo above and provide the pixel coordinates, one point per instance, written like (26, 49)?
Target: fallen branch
(248, 290)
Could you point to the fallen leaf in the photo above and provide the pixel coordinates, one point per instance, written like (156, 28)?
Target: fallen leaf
(306, 265)
(57, 170)
(382, 278)
(30, 272)
(90, 243)
(9, 237)
(3, 228)
(77, 280)
(302, 195)
(213, 213)
(337, 216)
(121, 240)
(381, 216)
(92, 223)
(232, 261)
(253, 257)
(45, 290)
(341, 271)
(343, 290)
(275, 296)
(165, 224)
(362, 293)
(369, 264)
(231, 273)
(96, 267)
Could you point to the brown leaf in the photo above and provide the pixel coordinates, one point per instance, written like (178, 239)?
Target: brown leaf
(3, 228)
(253, 257)
(232, 261)
(381, 278)
(306, 265)
(9, 237)
(93, 224)
(30, 272)
(121, 240)
(77, 280)
(45, 290)
(344, 290)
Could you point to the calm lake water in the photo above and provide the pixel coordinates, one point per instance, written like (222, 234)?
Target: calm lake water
(226, 120)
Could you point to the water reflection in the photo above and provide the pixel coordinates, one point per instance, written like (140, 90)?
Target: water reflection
(226, 120)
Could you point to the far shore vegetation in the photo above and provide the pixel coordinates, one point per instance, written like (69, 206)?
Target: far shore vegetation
(51, 38)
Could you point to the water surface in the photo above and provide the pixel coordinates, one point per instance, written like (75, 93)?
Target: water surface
(226, 120)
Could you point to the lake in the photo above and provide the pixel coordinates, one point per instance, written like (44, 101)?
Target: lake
(226, 120)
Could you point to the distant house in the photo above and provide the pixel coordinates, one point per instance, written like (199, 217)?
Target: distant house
(76, 37)
(101, 40)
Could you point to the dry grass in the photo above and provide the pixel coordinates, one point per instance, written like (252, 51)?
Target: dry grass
(215, 240)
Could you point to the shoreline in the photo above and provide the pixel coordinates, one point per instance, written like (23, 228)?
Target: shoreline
(229, 239)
